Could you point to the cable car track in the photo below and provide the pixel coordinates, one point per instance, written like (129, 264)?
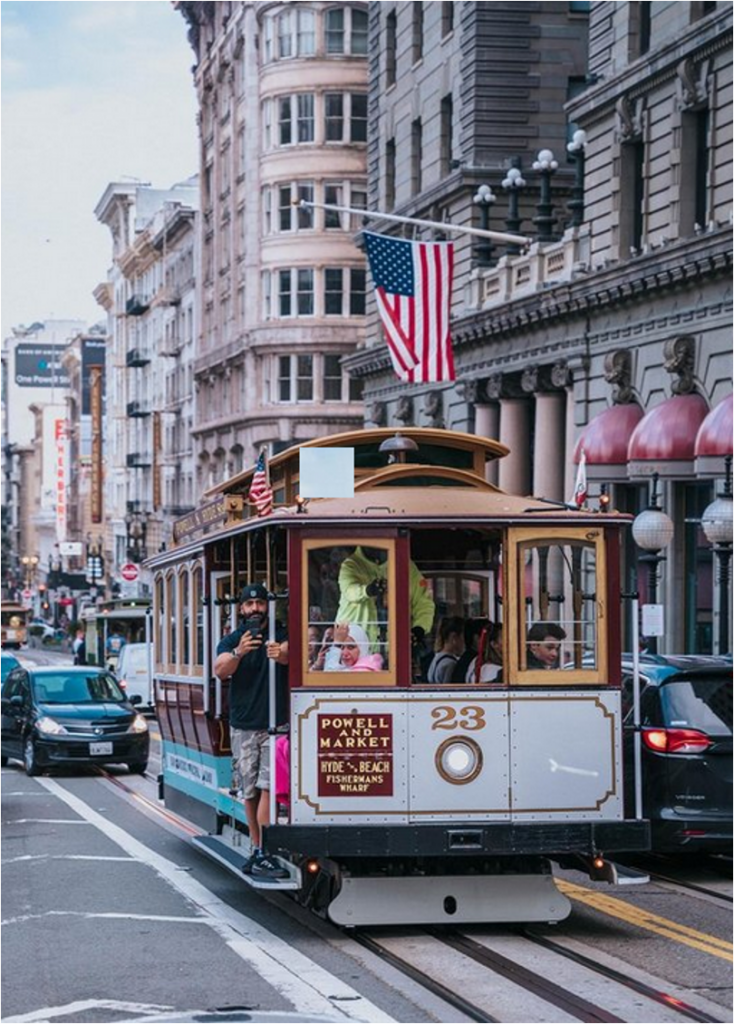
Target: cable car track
(529, 980)
(692, 886)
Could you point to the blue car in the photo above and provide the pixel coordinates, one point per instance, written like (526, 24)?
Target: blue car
(7, 663)
(686, 725)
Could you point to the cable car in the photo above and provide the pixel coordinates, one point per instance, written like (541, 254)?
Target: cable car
(14, 618)
(408, 800)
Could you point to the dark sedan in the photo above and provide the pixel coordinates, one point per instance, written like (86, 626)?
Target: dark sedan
(70, 716)
(686, 730)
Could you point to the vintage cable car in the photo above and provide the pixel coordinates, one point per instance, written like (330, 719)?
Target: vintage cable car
(14, 618)
(409, 801)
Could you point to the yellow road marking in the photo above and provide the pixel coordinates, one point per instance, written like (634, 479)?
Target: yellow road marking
(644, 919)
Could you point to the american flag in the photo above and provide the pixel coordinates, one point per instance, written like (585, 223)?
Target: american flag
(261, 493)
(413, 290)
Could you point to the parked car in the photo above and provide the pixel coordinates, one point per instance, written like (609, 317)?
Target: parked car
(686, 731)
(134, 675)
(70, 716)
(7, 663)
(39, 627)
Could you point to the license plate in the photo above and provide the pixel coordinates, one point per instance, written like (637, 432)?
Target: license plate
(100, 748)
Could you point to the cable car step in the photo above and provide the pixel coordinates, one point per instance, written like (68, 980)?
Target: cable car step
(444, 899)
(232, 857)
(621, 874)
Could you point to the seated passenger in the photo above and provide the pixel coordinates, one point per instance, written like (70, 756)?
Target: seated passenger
(544, 645)
(472, 632)
(449, 647)
(351, 650)
(314, 645)
(487, 666)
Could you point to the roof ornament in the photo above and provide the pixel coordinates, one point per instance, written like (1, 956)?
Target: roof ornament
(397, 447)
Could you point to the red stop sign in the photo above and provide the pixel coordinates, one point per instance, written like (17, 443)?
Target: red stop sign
(129, 572)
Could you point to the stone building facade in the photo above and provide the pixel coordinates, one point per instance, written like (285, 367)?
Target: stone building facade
(282, 90)
(618, 325)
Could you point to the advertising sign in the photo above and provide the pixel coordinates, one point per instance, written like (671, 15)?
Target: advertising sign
(96, 383)
(39, 366)
(61, 434)
(355, 755)
(93, 355)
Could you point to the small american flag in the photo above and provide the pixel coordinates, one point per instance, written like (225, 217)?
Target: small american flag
(261, 493)
(581, 488)
(413, 290)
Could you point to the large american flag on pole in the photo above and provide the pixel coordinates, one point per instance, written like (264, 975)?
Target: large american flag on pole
(412, 283)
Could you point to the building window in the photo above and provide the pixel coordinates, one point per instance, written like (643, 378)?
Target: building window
(284, 208)
(268, 41)
(285, 121)
(284, 293)
(305, 292)
(391, 47)
(334, 31)
(332, 197)
(358, 119)
(447, 130)
(334, 116)
(266, 295)
(447, 19)
(267, 199)
(357, 290)
(333, 291)
(284, 379)
(695, 171)
(285, 40)
(267, 124)
(416, 156)
(304, 214)
(632, 189)
(417, 32)
(332, 378)
(306, 33)
(305, 117)
(358, 44)
(390, 174)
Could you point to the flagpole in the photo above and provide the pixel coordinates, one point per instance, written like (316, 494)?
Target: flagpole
(439, 225)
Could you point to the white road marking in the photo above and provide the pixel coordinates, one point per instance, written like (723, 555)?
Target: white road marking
(24, 858)
(45, 821)
(85, 1004)
(307, 986)
(89, 915)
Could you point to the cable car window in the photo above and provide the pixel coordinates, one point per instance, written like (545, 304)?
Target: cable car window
(170, 605)
(199, 618)
(558, 606)
(158, 620)
(184, 656)
(350, 613)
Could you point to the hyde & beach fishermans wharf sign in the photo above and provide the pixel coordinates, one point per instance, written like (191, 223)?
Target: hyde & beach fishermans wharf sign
(355, 755)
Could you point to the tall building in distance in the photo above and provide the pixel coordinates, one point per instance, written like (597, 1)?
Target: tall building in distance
(282, 90)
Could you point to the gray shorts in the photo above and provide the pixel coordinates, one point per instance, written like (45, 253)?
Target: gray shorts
(250, 748)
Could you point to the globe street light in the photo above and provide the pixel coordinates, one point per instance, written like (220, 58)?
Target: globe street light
(652, 531)
(545, 165)
(577, 152)
(513, 184)
(717, 525)
(483, 198)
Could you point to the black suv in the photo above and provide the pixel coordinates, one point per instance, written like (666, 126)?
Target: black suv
(686, 720)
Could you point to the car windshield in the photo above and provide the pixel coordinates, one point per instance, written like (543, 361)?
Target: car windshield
(701, 703)
(7, 664)
(77, 688)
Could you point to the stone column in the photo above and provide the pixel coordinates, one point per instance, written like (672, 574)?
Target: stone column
(549, 462)
(487, 424)
(514, 469)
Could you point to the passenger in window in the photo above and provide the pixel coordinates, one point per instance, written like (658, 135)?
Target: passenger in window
(449, 648)
(363, 594)
(314, 645)
(544, 645)
(487, 665)
(350, 651)
(472, 632)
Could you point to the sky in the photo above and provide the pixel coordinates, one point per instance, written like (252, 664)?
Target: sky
(92, 92)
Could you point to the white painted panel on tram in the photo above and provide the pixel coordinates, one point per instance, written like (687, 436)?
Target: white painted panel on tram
(348, 758)
(459, 755)
(566, 755)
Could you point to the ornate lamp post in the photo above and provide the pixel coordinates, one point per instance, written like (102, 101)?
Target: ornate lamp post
(717, 525)
(513, 184)
(577, 151)
(136, 532)
(484, 198)
(652, 531)
(30, 564)
(545, 165)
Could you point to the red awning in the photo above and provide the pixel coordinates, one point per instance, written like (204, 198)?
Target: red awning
(714, 439)
(606, 439)
(664, 441)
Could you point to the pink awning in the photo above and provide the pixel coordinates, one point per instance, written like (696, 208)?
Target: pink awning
(664, 440)
(714, 439)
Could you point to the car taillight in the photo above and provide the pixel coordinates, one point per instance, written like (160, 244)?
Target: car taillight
(676, 741)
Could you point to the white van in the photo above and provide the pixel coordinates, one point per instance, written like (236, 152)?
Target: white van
(134, 673)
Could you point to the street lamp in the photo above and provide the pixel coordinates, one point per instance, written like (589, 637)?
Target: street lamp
(717, 525)
(136, 532)
(545, 165)
(652, 531)
(29, 563)
(484, 197)
(577, 152)
(513, 184)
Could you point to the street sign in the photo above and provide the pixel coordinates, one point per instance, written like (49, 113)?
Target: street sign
(129, 572)
(27, 595)
(70, 547)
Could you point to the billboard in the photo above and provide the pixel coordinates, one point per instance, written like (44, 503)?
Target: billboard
(39, 366)
(93, 355)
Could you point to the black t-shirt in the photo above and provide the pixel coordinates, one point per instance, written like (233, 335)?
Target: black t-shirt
(248, 689)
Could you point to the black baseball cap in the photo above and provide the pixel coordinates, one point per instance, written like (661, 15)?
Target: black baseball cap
(254, 592)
